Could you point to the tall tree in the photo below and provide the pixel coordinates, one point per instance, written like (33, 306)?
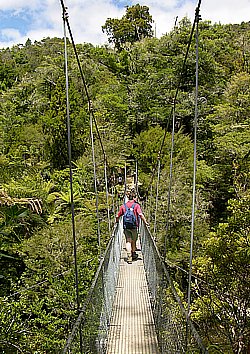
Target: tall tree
(135, 25)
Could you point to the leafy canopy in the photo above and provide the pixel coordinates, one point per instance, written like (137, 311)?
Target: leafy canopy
(135, 25)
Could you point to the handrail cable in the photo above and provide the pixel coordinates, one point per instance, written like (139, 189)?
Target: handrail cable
(153, 247)
(91, 112)
(195, 129)
(80, 317)
(197, 18)
(70, 169)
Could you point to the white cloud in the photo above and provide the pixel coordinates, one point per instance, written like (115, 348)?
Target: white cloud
(16, 5)
(226, 11)
(88, 26)
(87, 17)
(11, 33)
(9, 36)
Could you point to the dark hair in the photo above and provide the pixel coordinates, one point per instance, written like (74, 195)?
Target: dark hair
(132, 194)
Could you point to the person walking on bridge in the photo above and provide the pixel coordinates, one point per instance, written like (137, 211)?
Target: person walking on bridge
(132, 213)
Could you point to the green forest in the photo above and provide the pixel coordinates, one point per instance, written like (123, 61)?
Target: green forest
(132, 82)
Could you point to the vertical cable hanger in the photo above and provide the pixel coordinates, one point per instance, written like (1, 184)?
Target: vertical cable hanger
(152, 178)
(70, 169)
(175, 97)
(95, 182)
(136, 178)
(197, 18)
(157, 192)
(113, 194)
(125, 182)
(148, 204)
(107, 194)
(90, 107)
(170, 180)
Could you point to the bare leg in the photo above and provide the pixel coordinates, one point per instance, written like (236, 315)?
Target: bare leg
(129, 245)
(129, 250)
(133, 245)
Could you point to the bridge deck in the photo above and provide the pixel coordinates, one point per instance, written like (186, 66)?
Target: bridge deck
(132, 329)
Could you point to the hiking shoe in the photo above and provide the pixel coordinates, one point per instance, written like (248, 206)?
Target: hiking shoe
(129, 258)
(134, 256)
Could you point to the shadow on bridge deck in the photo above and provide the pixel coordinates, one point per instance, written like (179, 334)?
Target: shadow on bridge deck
(132, 329)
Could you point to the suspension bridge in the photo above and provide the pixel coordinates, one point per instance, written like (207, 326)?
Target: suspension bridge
(132, 308)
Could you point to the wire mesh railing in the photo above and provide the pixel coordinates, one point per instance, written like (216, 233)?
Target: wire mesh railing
(90, 331)
(175, 332)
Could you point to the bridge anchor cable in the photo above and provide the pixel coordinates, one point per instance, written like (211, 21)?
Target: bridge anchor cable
(197, 18)
(70, 168)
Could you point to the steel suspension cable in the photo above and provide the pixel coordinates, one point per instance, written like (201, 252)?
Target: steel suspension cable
(95, 185)
(176, 92)
(157, 193)
(136, 177)
(83, 79)
(107, 194)
(90, 106)
(70, 169)
(113, 194)
(173, 124)
(197, 18)
(125, 182)
(84, 83)
(148, 208)
(170, 180)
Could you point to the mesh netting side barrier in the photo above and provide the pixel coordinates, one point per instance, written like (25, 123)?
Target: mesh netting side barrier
(175, 332)
(93, 321)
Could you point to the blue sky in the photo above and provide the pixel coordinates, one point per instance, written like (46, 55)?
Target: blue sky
(36, 19)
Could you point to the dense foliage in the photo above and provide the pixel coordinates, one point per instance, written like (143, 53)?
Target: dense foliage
(132, 91)
(132, 27)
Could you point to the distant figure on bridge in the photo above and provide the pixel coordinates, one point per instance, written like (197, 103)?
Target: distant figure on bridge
(132, 214)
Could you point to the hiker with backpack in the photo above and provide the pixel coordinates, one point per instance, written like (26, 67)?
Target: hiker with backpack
(132, 213)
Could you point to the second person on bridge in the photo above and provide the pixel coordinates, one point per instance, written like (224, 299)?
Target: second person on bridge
(132, 213)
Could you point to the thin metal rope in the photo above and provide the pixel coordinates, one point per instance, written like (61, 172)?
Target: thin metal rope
(107, 194)
(91, 112)
(125, 182)
(95, 184)
(176, 94)
(157, 193)
(197, 17)
(170, 180)
(70, 169)
(136, 177)
(165, 132)
(149, 203)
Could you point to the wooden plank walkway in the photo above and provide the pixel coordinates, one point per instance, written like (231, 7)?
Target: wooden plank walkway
(132, 329)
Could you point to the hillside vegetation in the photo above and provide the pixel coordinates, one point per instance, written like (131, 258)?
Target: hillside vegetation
(132, 90)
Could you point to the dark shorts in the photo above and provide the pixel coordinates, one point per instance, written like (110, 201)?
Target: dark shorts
(131, 233)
